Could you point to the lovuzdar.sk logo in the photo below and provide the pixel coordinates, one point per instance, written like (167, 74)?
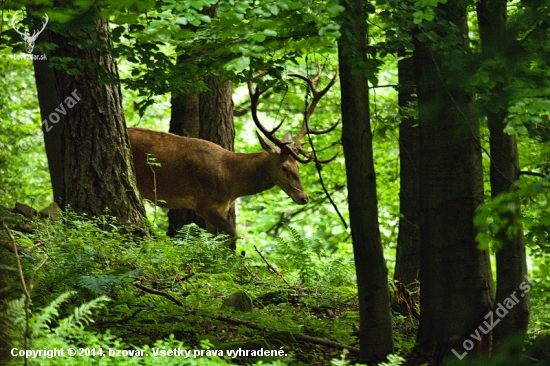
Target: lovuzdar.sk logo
(28, 38)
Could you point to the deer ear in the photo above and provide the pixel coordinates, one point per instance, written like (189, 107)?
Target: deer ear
(266, 145)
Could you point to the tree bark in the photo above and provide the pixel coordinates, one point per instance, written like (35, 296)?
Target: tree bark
(375, 337)
(511, 258)
(48, 100)
(456, 282)
(97, 161)
(184, 121)
(407, 263)
(216, 120)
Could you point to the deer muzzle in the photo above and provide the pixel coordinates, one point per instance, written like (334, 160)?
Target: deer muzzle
(301, 199)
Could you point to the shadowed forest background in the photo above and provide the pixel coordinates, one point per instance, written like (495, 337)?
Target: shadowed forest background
(424, 242)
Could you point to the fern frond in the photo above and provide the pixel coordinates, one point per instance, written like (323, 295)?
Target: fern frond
(46, 315)
(81, 316)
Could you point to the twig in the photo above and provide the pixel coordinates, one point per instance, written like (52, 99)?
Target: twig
(25, 291)
(186, 277)
(271, 267)
(284, 219)
(37, 268)
(98, 324)
(298, 336)
(159, 282)
(252, 274)
(160, 293)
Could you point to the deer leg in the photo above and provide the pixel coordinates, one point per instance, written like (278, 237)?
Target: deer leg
(214, 220)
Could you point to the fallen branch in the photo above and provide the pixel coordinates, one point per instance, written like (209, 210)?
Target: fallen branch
(160, 293)
(250, 324)
(297, 336)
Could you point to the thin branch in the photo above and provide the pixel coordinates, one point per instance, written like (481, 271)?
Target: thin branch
(307, 114)
(160, 293)
(252, 274)
(285, 219)
(25, 291)
(270, 266)
(534, 174)
(123, 320)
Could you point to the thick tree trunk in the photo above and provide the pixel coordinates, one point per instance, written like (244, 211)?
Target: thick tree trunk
(375, 336)
(407, 263)
(48, 100)
(511, 260)
(456, 282)
(97, 161)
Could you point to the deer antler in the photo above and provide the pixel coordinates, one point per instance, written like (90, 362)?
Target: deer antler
(16, 29)
(297, 149)
(36, 33)
(317, 95)
(283, 145)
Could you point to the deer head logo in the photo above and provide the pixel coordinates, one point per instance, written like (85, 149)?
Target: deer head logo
(30, 39)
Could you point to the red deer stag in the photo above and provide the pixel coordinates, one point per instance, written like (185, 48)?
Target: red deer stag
(201, 176)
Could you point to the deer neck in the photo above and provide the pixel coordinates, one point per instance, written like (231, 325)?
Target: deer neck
(252, 172)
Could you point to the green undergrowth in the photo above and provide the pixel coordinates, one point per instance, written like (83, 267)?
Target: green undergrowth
(92, 285)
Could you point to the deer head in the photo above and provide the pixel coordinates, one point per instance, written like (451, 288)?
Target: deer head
(284, 171)
(30, 39)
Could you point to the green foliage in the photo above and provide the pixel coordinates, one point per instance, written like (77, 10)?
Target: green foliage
(23, 164)
(161, 287)
(94, 257)
(393, 360)
(313, 264)
(523, 208)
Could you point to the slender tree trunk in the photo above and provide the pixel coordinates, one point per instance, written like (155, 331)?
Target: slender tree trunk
(48, 100)
(375, 336)
(407, 264)
(185, 121)
(511, 260)
(216, 116)
(209, 116)
(97, 161)
(456, 282)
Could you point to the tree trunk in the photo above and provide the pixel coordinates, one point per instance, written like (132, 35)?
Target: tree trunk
(97, 161)
(216, 116)
(456, 282)
(375, 337)
(48, 100)
(407, 263)
(184, 121)
(511, 260)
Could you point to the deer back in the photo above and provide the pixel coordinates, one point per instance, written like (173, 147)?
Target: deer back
(179, 169)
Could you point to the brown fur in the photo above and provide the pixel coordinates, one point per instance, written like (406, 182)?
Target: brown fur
(202, 176)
